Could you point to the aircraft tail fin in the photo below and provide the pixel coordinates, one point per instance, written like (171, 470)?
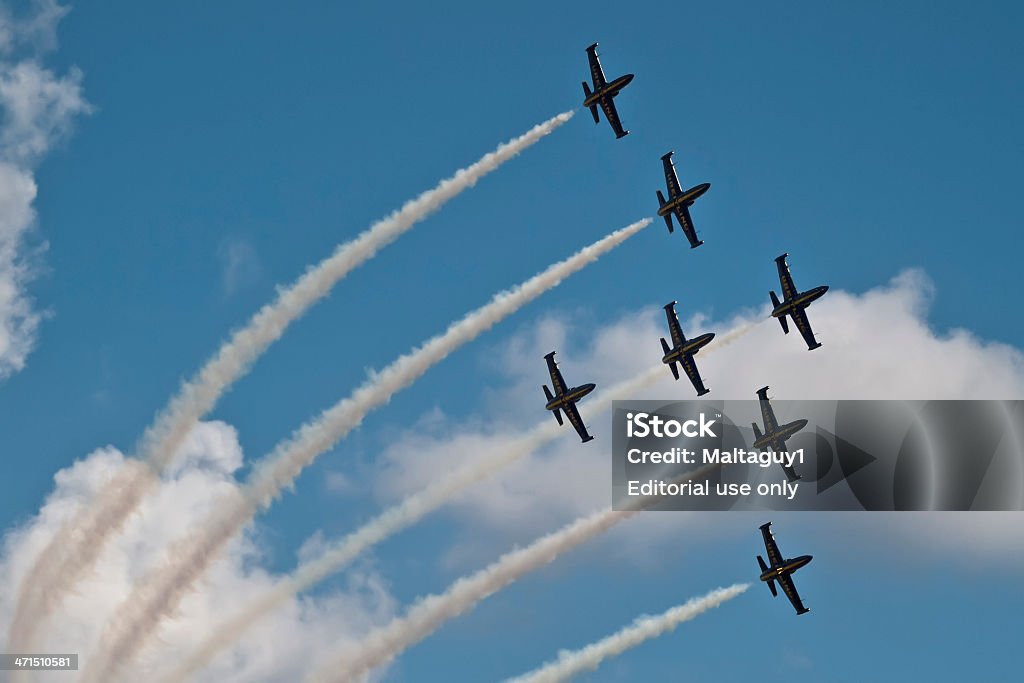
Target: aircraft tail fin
(782, 318)
(550, 398)
(770, 582)
(593, 107)
(667, 216)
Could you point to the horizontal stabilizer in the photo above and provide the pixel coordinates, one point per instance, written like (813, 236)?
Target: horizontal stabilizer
(674, 369)
(547, 392)
(757, 431)
(664, 346)
(661, 199)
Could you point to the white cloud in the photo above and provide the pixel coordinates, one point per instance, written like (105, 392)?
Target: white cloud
(877, 344)
(240, 265)
(37, 109)
(279, 648)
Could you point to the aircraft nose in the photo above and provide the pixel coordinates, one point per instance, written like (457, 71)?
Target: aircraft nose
(627, 79)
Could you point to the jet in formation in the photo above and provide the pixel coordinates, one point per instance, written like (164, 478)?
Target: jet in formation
(793, 303)
(683, 350)
(565, 398)
(679, 202)
(604, 93)
(781, 570)
(775, 435)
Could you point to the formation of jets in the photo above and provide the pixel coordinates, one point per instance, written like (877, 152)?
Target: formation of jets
(562, 399)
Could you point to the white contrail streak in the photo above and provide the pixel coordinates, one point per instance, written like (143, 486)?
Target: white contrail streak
(428, 614)
(410, 511)
(590, 657)
(76, 546)
(156, 596)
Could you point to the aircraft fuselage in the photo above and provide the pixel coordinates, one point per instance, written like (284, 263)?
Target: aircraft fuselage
(610, 90)
(781, 434)
(691, 347)
(787, 567)
(571, 396)
(687, 198)
(801, 300)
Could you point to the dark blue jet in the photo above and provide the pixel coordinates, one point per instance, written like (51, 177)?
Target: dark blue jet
(775, 435)
(781, 570)
(679, 202)
(604, 93)
(793, 303)
(683, 351)
(565, 398)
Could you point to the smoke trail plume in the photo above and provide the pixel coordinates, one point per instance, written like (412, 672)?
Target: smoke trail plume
(76, 546)
(156, 596)
(408, 512)
(430, 613)
(590, 657)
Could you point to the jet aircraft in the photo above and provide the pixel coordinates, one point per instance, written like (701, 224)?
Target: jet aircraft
(793, 303)
(781, 570)
(683, 350)
(679, 202)
(565, 398)
(604, 93)
(775, 435)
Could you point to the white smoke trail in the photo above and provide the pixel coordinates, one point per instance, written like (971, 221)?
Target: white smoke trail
(590, 657)
(408, 512)
(158, 594)
(76, 546)
(428, 614)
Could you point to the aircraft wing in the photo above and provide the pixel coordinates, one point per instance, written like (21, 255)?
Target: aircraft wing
(557, 383)
(577, 422)
(774, 556)
(673, 327)
(608, 105)
(596, 72)
(691, 371)
(780, 446)
(785, 279)
(671, 179)
(683, 214)
(767, 415)
(786, 581)
(799, 316)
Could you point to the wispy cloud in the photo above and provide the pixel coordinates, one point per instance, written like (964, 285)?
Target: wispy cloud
(240, 265)
(38, 108)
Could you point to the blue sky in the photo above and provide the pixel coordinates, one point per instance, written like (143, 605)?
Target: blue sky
(232, 144)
